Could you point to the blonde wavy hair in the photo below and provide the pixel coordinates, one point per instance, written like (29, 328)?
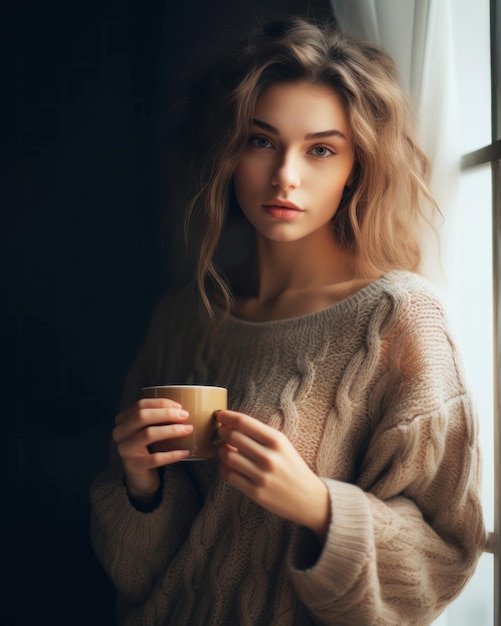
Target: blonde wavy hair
(379, 213)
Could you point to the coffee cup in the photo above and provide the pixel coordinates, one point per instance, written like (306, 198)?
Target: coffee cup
(201, 402)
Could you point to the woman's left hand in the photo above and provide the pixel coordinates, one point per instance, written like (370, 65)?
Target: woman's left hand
(262, 463)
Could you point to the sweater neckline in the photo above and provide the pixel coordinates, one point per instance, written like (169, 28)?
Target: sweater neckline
(338, 308)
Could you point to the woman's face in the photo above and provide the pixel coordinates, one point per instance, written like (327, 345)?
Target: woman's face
(296, 163)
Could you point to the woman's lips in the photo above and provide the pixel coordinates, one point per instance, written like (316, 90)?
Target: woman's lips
(282, 210)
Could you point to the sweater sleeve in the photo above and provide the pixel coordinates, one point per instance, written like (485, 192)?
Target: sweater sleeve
(134, 546)
(406, 536)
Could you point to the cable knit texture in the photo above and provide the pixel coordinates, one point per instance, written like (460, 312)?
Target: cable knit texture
(372, 394)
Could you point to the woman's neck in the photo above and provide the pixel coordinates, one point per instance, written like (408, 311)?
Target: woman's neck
(309, 263)
(300, 277)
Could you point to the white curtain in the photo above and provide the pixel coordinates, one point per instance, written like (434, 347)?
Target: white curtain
(418, 35)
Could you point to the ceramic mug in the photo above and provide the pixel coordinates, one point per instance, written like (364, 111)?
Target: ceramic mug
(201, 402)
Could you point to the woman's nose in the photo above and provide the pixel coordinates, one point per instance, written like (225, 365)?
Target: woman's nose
(286, 174)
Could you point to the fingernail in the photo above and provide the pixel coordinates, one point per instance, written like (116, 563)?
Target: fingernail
(183, 413)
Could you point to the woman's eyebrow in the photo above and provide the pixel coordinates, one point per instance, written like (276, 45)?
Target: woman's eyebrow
(265, 126)
(323, 133)
(326, 133)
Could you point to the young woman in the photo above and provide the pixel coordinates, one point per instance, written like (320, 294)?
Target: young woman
(347, 487)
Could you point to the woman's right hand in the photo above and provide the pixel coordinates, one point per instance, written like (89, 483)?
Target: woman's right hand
(147, 421)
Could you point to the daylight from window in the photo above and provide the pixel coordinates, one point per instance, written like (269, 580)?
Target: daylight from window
(471, 275)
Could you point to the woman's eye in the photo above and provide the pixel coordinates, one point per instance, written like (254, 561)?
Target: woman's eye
(260, 142)
(321, 151)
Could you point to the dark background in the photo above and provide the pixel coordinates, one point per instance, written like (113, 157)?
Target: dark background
(89, 225)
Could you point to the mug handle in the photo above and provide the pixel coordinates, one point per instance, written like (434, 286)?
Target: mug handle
(216, 440)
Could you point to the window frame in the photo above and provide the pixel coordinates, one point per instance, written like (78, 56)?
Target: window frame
(492, 154)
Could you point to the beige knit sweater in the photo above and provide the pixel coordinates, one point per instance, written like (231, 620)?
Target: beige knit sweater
(372, 394)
